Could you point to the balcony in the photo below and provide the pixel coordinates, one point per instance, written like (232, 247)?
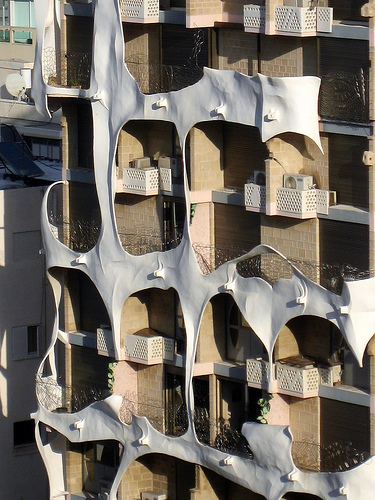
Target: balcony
(255, 198)
(254, 18)
(139, 11)
(147, 348)
(303, 21)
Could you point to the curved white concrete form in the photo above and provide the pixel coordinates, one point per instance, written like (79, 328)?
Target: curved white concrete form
(275, 106)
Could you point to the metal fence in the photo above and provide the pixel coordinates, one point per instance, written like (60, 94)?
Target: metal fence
(153, 77)
(63, 398)
(66, 69)
(345, 97)
(335, 457)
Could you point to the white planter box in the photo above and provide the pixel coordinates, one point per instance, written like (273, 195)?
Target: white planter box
(104, 342)
(140, 11)
(255, 197)
(303, 20)
(140, 181)
(296, 203)
(302, 382)
(148, 350)
(254, 18)
(165, 175)
(257, 373)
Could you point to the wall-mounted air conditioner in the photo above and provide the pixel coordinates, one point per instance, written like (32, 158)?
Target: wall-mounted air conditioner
(260, 177)
(301, 182)
(169, 162)
(149, 495)
(141, 163)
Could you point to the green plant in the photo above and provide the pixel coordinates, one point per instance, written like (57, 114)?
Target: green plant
(111, 376)
(264, 408)
(193, 207)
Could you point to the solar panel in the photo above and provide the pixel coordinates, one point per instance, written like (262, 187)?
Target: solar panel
(17, 161)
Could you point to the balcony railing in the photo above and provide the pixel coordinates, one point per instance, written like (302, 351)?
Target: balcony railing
(148, 349)
(139, 11)
(344, 97)
(335, 457)
(62, 398)
(303, 20)
(66, 69)
(254, 18)
(255, 197)
(17, 35)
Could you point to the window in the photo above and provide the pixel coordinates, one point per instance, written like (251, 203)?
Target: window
(26, 342)
(23, 433)
(45, 148)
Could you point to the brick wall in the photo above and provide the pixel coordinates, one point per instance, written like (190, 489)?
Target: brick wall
(150, 382)
(142, 48)
(206, 144)
(211, 341)
(294, 239)
(73, 471)
(139, 219)
(237, 50)
(305, 419)
(149, 473)
(134, 315)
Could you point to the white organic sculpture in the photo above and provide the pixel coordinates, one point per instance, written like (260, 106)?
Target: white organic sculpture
(274, 105)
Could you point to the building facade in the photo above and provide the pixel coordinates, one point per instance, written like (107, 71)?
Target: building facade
(211, 250)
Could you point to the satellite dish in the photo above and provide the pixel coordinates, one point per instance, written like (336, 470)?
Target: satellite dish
(15, 85)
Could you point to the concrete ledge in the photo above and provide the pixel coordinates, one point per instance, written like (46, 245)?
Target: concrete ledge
(347, 213)
(346, 394)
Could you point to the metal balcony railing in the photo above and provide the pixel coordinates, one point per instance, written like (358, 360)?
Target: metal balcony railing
(345, 97)
(335, 457)
(66, 69)
(62, 398)
(153, 77)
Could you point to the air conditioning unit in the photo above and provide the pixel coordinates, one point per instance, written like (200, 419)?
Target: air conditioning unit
(149, 495)
(260, 177)
(301, 182)
(169, 162)
(141, 163)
